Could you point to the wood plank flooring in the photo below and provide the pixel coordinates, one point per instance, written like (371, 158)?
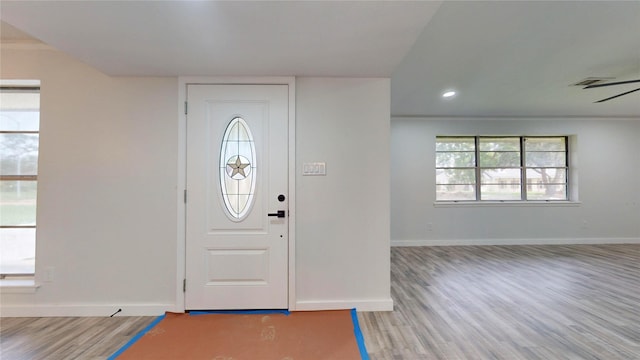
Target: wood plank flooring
(62, 338)
(510, 302)
(467, 302)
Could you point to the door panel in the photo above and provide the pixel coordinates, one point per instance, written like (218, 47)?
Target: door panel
(237, 148)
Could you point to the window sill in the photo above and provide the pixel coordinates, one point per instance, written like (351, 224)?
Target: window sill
(507, 203)
(13, 286)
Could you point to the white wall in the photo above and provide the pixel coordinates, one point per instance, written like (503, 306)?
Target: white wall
(108, 197)
(107, 189)
(606, 171)
(342, 226)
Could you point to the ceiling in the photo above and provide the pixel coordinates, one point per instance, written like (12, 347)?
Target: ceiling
(513, 59)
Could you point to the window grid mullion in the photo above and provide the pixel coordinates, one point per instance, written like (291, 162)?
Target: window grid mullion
(566, 166)
(477, 164)
(523, 169)
(18, 177)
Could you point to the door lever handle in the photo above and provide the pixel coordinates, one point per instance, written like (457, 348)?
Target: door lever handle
(279, 214)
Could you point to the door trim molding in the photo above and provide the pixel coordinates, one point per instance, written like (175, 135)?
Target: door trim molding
(183, 81)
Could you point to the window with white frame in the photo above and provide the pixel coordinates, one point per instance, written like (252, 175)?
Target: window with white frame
(502, 168)
(19, 146)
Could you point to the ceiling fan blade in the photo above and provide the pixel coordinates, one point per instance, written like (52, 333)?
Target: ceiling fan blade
(613, 97)
(612, 83)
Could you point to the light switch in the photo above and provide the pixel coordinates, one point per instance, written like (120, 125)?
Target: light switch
(314, 169)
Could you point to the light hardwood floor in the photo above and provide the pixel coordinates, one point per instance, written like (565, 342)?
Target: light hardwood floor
(59, 338)
(510, 302)
(471, 302)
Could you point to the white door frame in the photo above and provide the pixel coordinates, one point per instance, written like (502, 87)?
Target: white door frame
(183, 81)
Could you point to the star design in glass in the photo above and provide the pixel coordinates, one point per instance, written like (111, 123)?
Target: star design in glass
(238, 167)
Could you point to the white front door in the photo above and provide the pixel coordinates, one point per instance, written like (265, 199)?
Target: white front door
(237, 197)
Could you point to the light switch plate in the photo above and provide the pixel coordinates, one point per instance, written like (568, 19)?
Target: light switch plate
(314, 169)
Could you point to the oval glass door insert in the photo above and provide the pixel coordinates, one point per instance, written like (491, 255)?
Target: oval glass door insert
(237, 169)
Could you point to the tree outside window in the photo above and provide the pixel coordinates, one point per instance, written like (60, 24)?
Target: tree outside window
(506, 168)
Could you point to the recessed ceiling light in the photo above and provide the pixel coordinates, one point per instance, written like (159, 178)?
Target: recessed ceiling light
(449, 94)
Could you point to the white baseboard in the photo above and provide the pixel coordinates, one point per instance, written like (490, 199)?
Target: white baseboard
(546, 241)
(84, 310)
(360, 305)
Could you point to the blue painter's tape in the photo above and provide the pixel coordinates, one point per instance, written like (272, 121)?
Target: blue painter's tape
(359, 337)
(240, 312)
(136, 338)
